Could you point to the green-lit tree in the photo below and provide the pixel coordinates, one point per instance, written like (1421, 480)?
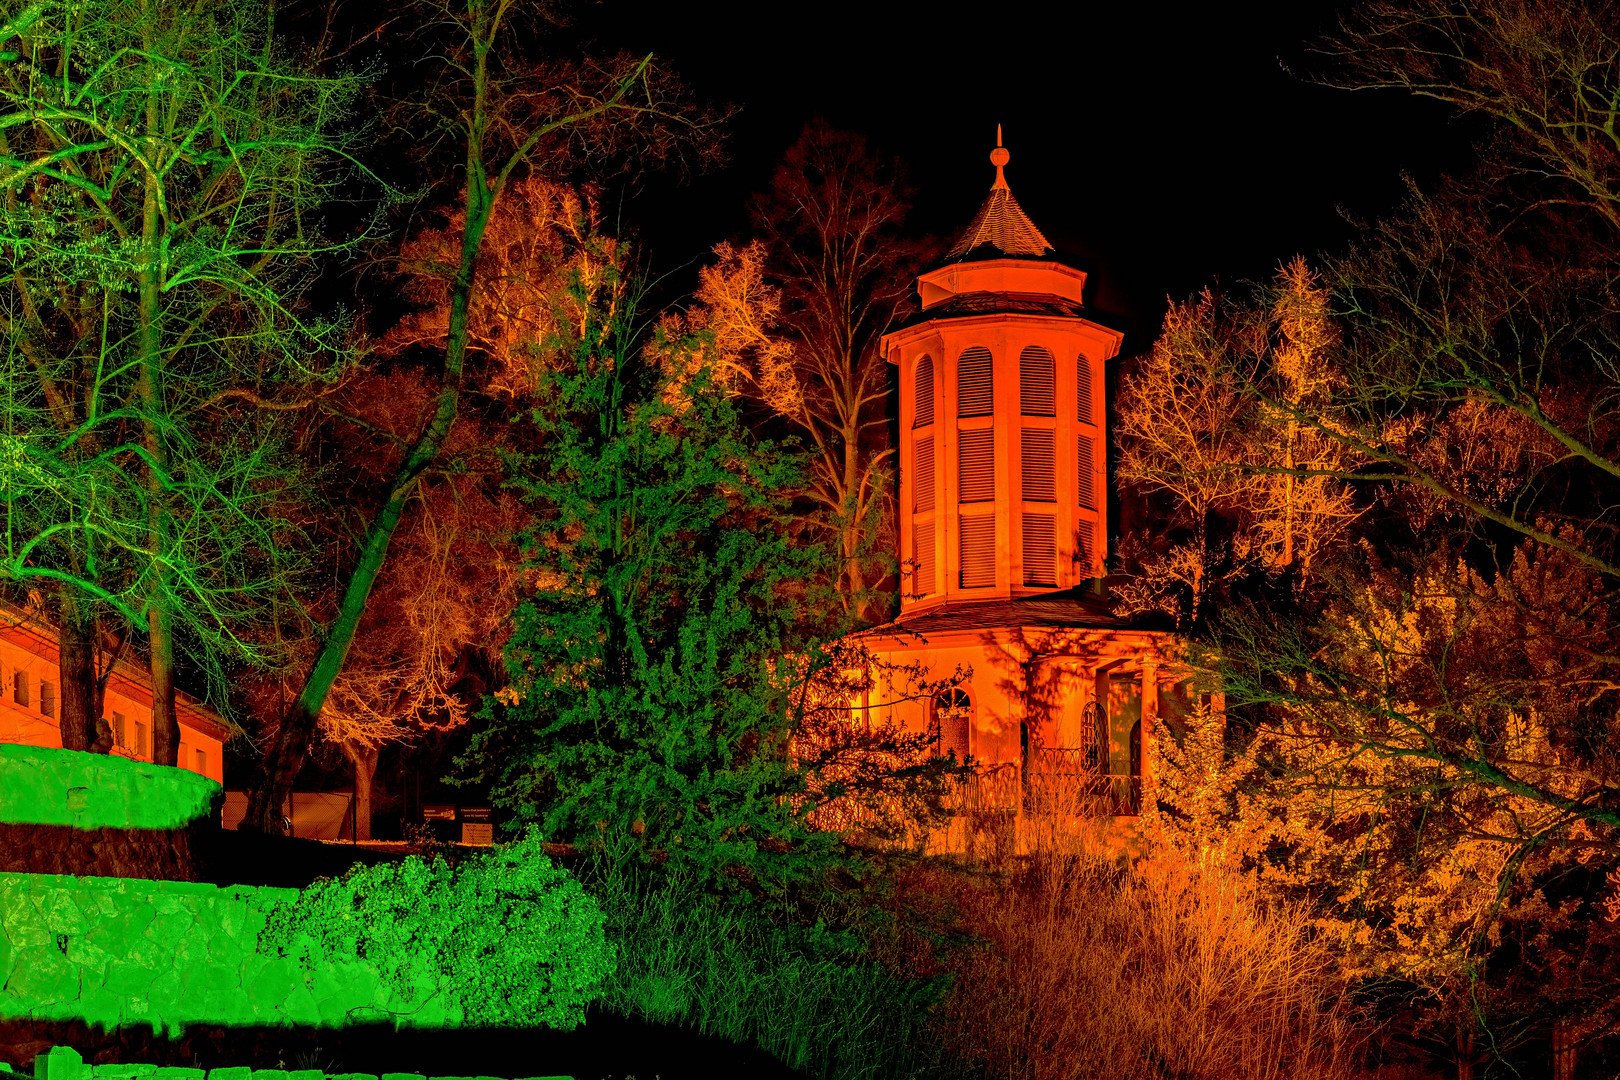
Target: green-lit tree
(161, 166)
(508, 117)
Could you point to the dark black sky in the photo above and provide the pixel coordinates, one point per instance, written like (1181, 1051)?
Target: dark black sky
(1163, 144)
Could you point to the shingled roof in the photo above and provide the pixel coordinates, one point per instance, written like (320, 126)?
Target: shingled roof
(1000, 229)
(1046, 611)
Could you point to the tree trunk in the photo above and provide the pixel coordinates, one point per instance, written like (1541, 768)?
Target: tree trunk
(364, 761)
(286, 756)
(76, 646)
(1563, 1050)
(154, 411)
(1465, 1055)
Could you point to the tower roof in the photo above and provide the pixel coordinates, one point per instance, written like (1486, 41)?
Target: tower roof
(1000, 229)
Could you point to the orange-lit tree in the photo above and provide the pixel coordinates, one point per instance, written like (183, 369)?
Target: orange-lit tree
(1438, 728)
(798, 315)
(504, 116)
(1206, 418)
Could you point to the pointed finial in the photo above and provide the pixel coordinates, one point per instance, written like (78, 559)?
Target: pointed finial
(998, 158)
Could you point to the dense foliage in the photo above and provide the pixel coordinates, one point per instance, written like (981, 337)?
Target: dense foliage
(507, 937)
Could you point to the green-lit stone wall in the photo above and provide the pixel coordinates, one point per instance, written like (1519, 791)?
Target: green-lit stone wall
(118, 951)
(40, 786)
(65, 1063)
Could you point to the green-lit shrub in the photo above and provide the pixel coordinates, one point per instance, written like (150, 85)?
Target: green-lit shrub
(505, 938)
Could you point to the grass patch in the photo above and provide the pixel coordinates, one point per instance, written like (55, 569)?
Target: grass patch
(1076, 962)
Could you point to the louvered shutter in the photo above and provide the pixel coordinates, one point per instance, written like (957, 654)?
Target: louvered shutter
(1035, 451)
(978, 552)
(975, 383)
(1084, 472)
(1085, 542)
(1040, 549)
(923, 537)
(976, 460)
(925, 392)
(1037, 382)
(1082, 384)
(923, 488)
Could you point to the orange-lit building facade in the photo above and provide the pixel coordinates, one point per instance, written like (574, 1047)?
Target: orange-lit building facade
(30, 682)
(1004, 527)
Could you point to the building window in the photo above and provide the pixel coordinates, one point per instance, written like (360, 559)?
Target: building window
(923, 487)
(953, 713)
(975, 383)
(1037, 382)
(19, 688)
(1082, 386)
(140, 740)
(976, 466)
(1040, 549)
(925, 392)
(978, 552)
(120, 730)
(47, 698)
(1035, 454)
(923, 582)
(202, 763)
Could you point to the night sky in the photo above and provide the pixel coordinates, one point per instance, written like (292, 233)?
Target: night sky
(1165, 147)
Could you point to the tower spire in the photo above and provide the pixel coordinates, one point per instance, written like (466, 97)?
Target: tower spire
(999, 157)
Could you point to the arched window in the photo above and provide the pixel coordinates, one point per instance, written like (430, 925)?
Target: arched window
(925, 392)
(1037, 382)
(953, 714)
(975, 383)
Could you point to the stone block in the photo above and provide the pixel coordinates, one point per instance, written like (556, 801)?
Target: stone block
(124, 1072)
(403, 1076)
(178, 1073)
(235, 1072)
(353, 1076)
(269, 1074)
(306, 1074)
(61, 1063)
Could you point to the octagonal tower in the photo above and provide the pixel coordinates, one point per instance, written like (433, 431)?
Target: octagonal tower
(1003, 451)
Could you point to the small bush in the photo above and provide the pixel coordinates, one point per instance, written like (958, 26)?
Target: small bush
(506, 937)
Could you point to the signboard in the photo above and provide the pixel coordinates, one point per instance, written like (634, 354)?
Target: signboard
(477, 826)
(432, 812)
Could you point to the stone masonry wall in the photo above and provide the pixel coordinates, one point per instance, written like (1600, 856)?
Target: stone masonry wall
(115, 951)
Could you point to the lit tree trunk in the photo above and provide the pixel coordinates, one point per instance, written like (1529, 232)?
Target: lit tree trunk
(1563, 1050)
(364, 761)
(1465, 1054)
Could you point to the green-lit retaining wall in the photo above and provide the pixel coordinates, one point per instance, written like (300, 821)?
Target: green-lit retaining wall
(114, 951)
(89, 791)
(65, 1063)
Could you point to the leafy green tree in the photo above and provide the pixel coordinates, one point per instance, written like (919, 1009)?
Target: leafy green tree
(658, 667)
(161, 166)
